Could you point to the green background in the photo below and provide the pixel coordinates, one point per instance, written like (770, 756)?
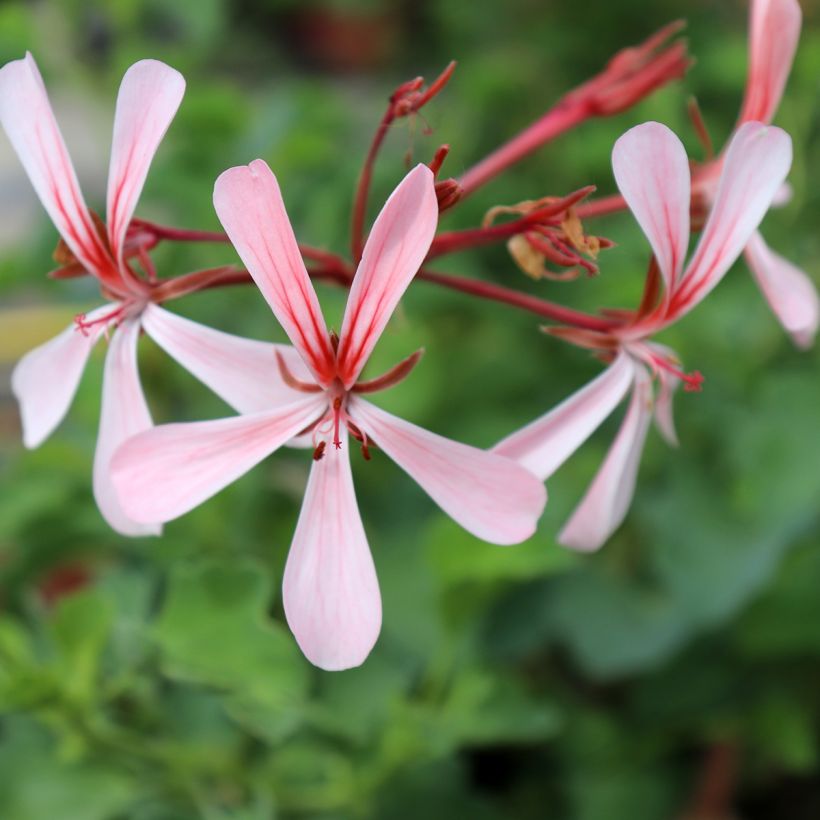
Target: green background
(523, 682)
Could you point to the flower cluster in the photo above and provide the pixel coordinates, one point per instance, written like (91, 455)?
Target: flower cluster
(311, 393)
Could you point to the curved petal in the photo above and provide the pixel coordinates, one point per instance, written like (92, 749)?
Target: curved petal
(150, 94)
(26, 116)
(652, 172)
(773, 34)
(330, 590)
(242, 372)
(664, 415)
(395, 249)
(490, 496)
(46, 378)
(124, 413)
(607, 500)
(249, 205)
(790, 293)
(756, 164)
(165, 472)
(546, 443)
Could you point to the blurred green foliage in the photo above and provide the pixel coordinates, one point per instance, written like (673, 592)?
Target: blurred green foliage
(525, 682)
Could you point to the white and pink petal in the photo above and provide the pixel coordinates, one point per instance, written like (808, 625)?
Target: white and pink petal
(330, 589)
(249, 205)
(242, 372)
(605, 504)
(546, 443)
(489, 495)
(46, 378)
(652, 172)
(28, 120)
(791, 294)
(163, 473)
(123, 414)
(756, 164)
(149, 96)
(394, 251)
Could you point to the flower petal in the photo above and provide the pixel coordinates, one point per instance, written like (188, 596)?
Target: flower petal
(46, 378)
(395, 249)
(150, 94)
(756, 164)
(652, 172)
(607, 500)
(773, 34)
(165, 472)
(26, 116)
(242, 372)
(546, 443)
(490, 496)
(790, 293)
(124, 413)
(249, 204)
(330, 590)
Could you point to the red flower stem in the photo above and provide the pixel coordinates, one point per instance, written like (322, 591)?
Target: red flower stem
(556, 121)
(180, 234)
(454, 241)
(363, 186)
(228, 276)
(601, 207)
(185, 235)
(532, 304)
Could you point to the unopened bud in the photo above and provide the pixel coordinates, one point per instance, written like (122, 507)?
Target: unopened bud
(448, 192)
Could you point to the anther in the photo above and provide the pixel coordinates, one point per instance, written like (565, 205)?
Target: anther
(319, 451)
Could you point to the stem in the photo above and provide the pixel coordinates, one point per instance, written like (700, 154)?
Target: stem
(363, 186)
(556, 121)
(454, 241)
(532, 304)
(600, 207)
(185, 235)
(180, 234)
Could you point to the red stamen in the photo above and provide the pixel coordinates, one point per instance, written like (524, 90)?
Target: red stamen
(337, 412)
(692, 382)
(319, 451)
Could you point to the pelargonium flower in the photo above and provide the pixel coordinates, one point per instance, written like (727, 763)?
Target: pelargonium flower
(46, 379)
(774, 29)
(331, 593)
(652, 173)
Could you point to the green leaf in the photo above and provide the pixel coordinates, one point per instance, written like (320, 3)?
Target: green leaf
(213, 630)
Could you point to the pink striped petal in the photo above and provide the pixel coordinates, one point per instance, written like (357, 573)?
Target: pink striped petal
(150, 94)
(26, 116)
(165, 472)
(790, 293)
(490, 496)
(756, 164)
(330, 590)
(664, 415)
(46, 378)
(124, 413)
(395, 249)
(249, 205)
(773, 36)
(546, 443)
(652, 172)
(242, 372)
(607, 500)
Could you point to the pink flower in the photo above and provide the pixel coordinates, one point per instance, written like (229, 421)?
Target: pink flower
(46, 379)
(331, 593)
(652, 172)
(773, 34)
